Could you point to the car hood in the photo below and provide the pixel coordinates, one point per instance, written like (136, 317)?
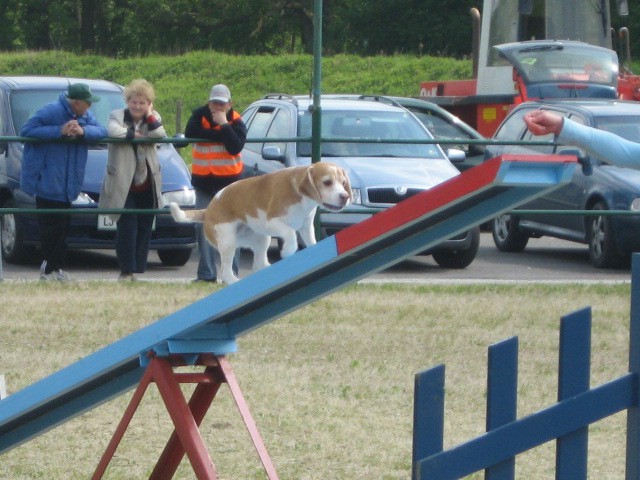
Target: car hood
(366, 172)
(175, 175)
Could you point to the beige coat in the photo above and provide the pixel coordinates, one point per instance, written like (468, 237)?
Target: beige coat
(121, 164)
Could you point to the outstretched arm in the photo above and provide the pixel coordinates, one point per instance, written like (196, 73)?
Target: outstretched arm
(605, 145)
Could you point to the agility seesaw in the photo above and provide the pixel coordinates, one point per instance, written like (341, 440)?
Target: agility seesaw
(204, 332)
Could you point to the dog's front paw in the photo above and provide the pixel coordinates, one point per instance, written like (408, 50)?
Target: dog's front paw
(228, 279)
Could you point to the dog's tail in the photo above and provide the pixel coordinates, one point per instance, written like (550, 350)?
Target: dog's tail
(186, 216)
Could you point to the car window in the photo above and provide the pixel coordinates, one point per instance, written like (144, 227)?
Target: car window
(529, 137)
(368, 125)
(513, 127)
(578, 119)
(440, 127)
(279, 129)
(570, 62)
(24, 103)
(627, 127)
(258, 126)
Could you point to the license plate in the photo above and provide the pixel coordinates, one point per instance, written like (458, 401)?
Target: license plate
(105, 223)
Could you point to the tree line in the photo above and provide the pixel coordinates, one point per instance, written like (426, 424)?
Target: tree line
(124, 28)
(121, 28)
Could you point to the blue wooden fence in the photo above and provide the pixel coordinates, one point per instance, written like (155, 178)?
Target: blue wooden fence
(566, 421)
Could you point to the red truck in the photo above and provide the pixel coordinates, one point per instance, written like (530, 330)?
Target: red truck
(531, 49)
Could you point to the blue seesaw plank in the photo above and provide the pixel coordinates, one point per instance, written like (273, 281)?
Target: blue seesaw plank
(213, 324)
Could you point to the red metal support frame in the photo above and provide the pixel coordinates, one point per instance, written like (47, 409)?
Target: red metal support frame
(186, 417)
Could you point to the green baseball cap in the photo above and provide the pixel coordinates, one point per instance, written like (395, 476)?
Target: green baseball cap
(81, 91)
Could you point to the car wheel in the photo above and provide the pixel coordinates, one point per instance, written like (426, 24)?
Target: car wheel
(13, 248)
(602, 246)
(507, 235)
(459, 258)
(174, 258)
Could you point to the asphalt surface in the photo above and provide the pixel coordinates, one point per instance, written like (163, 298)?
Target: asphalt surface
(544, 260)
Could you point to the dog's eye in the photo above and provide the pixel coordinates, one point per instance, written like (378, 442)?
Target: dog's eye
(327, 183)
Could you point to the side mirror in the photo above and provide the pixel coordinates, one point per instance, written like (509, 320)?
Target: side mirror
(583, 158)
(273, 153)
(178, 143)
(456, 155)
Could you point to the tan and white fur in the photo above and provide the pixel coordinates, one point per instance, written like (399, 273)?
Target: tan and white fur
(249, 212)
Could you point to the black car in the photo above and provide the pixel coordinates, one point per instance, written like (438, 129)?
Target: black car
(601, 187)
(21, 97)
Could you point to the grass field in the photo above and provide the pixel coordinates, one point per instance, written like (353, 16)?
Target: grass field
(330, 385)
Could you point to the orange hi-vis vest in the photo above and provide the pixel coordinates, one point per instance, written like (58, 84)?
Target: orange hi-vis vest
(213, 158)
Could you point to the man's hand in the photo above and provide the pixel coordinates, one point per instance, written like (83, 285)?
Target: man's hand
(72, 129)
(219, 116)
(219, 112)
(542, 122)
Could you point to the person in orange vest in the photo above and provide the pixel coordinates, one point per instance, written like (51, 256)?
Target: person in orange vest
(216, 162)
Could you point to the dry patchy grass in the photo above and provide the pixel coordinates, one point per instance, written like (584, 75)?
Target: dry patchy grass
(330, 385)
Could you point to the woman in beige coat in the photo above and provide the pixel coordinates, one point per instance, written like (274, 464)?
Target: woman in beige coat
(133, 178)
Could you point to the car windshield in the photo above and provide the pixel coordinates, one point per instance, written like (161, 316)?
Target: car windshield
(368, 125)
(627, 127)
(24, 103)
(553, 63)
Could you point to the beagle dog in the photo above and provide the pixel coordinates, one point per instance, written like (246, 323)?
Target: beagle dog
(249, 212)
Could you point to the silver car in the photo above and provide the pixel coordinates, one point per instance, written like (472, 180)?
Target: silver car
(381, 174)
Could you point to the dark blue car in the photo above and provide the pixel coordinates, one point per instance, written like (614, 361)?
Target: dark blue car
(602, 187)
(20, 97)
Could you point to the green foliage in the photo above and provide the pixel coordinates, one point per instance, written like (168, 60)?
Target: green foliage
(123, 28)
(187, 78)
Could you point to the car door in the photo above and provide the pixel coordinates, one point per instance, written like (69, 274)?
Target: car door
(264, 122)
(569, 197)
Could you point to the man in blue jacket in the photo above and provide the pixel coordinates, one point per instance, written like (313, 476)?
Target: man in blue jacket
(54, 172)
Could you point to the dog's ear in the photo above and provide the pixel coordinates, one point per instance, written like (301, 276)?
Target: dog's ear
(307, 186)
(346, 183)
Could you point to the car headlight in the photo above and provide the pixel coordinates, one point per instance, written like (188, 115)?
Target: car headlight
(356, 198)
(635, 205)
(185, 197)
(83, 200)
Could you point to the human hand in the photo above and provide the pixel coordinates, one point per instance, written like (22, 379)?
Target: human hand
(149, 109)
(72, 129)
(219, 116)
(542, 122)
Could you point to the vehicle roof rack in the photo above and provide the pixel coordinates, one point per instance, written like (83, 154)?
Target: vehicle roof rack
(281, 96)
(380, 98)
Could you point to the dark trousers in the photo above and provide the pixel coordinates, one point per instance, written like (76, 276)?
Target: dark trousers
(54, 228)
(133, 234)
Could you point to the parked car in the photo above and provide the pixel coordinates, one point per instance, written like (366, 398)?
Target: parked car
(20, 97)
(611, 239)
(381, 174)
(444, 125)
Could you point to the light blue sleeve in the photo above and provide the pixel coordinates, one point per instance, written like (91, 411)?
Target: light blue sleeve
(606, 145)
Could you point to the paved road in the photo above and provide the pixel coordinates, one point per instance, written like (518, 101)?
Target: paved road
(543, 260)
